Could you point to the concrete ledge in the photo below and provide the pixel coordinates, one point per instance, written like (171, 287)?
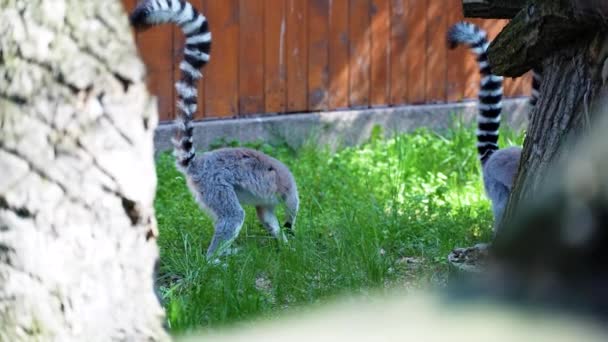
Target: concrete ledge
(339, 128)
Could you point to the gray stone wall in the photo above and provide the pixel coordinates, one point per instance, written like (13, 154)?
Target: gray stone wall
(349, 127)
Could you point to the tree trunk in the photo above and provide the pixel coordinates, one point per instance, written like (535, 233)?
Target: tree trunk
(569, 39)
(572, 82)
(77, 226)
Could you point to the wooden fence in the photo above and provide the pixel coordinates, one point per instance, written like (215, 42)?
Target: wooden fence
(282, 56)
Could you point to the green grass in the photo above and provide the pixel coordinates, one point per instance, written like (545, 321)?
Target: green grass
(363, 210)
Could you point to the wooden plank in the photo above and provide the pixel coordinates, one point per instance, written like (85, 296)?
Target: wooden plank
(221, 85)
(471, 69)
(339, 45)
(156, 46)
(360, 56)
(436, 52)
(416, 51)
(251, 57)
(202, 6)
(520, 86)
(492, 26)
(380, 52)
(159, 64)
(399, 38)
(297, 55)
(275, 67)
(456, 66)
(318, 55)
(129, 5)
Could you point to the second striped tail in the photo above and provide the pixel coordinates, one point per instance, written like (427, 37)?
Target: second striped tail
(490, 88)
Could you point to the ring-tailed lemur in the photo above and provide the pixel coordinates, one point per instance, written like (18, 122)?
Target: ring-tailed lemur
(223, 179)
(499, 166)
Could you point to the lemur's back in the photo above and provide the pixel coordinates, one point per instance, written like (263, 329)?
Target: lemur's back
(251, 173)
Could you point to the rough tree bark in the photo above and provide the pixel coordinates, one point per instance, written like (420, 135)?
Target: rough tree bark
(573, 81)
(77, 227)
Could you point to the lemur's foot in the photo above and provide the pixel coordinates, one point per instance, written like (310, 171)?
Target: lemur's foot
(470, 259)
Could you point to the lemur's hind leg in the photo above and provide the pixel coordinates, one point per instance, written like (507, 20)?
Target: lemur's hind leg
(224, 204)
(269, 221)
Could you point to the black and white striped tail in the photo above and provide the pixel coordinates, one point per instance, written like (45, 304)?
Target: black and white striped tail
(537, 78)
(490, 90)
(196, 55)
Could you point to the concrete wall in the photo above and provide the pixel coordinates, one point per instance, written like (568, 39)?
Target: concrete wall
(348, 127)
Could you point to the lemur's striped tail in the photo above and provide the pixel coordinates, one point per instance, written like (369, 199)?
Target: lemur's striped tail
(196, 55)
(490, 92)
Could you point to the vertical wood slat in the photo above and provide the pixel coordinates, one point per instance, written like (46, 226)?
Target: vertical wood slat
(201, 114)
(416, 51)
(456, 58)
(318, 55)
(221, 85)
(251, 56)
(339, 45)
(436, 52)
(129, 5)
(275, 66)
(518, 86)
(470, 69)
(399, 63)
(297, 55)
(380, 52)
(156, 46)
(159, 65)
(360, 57)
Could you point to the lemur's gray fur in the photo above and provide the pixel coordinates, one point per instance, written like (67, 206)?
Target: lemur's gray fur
(499, 166)
(223, 179)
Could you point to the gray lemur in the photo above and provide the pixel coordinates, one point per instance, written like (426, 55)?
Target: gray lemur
(499, 166)
(223, 179)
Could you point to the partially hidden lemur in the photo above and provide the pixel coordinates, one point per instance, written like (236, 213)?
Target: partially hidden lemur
(223, 179)
(499, 166)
